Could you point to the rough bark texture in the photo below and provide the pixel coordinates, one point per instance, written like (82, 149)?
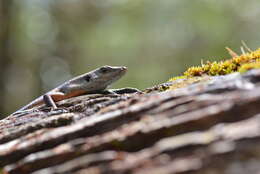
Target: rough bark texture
(204, 128)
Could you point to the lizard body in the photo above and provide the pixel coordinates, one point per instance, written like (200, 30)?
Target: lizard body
(93, 82)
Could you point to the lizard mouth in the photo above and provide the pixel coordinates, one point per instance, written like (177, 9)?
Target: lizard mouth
(124, 69)
(119, 73)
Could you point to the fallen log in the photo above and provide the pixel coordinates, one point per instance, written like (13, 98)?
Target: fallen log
(204, 127)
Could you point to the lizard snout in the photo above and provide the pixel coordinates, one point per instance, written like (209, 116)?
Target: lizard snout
(124, 68)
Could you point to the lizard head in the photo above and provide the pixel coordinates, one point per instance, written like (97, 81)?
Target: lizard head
(96, 80)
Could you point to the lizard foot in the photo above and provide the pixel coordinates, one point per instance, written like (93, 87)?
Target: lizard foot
(125, 90)
(55, 111)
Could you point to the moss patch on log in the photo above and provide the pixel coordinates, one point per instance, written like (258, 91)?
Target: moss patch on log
(238, 63)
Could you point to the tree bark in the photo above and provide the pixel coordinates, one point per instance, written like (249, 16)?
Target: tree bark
(206, 127)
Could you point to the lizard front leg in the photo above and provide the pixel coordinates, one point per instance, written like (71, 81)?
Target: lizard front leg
(50, 99)
(49, 102)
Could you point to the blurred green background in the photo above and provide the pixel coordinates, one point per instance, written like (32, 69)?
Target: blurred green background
(45, 42)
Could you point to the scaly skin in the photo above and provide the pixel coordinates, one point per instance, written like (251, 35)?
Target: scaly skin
(92, 82)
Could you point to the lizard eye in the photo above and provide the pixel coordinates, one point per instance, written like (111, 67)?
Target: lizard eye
(104, 70)
(87, 78)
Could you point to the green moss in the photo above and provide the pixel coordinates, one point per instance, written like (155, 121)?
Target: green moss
(177, 78)
(223, 67)
(194, 71)
(248, 66)
(240, 63)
